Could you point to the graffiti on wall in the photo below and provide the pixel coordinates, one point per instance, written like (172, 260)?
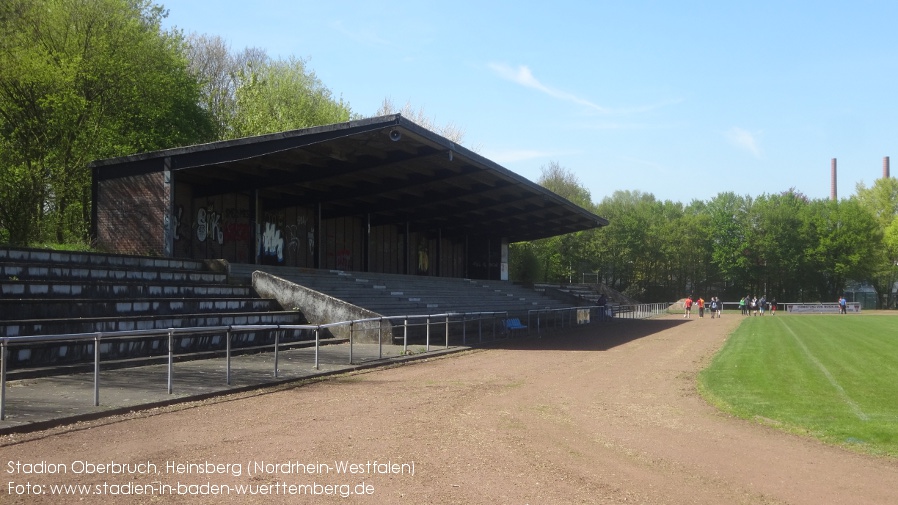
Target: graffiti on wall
(296, 238)
(344, 259)
(272, 242)
(176, 222)
(208, 226)
(236, 225)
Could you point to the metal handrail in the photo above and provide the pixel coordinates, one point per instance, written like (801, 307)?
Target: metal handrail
(97, 338)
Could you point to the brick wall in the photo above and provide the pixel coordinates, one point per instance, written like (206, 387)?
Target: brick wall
(130, 214)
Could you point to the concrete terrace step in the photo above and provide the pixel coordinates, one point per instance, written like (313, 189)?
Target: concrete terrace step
(91, 325)
(24, 309)
(23, 271)
(30, 289)
(41, 256)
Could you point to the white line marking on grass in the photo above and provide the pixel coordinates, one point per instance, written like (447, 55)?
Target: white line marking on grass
(832, 380)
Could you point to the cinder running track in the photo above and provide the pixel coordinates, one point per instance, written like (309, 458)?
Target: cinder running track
(602, 414)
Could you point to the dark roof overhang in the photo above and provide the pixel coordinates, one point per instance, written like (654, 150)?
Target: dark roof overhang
(386, 169)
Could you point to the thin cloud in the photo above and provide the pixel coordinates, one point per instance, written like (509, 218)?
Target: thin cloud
(523, 76)
(744, 139)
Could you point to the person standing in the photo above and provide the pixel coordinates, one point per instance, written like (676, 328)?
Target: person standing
(773, 307)
(843, 305)
(742, 305)
(688, 305)
(719, 306)
(701, 307)
(762, 304)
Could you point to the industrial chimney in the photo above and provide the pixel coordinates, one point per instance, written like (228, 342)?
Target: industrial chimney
(885, 167)
(832, 190)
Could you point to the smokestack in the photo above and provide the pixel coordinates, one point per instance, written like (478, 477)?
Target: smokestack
(832, 190)
(885, 167)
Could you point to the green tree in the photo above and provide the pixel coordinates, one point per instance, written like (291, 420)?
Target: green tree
(275, 96)
(841, 237)
(890, 275)
(82, 80)
(560, 258)
(728, 216)
(779, 245)
(617, 247)
(881, 200)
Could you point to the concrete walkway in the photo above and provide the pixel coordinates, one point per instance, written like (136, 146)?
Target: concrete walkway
(40, 403)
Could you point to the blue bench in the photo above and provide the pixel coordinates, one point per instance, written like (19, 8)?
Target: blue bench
(514, 324)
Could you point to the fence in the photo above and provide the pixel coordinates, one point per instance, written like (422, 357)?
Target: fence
(802, 307)
(491, 325)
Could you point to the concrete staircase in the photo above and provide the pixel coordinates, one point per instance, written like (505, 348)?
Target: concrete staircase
(50, 293)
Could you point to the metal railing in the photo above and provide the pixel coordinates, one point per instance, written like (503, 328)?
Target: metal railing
(484, 326)
(571, 316)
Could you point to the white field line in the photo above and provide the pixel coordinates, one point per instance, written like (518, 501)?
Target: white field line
(832, 380)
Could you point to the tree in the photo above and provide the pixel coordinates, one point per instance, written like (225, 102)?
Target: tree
(617, 246)
(280, 95)
(554, 259)
(218, 70)
(779, 244)
(841, 238)
(83, 80)
(890, 273)
(728, 214)
(881, 200)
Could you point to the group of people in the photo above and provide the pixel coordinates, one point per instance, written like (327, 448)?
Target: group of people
(749, 306)
(752, 306)
(715, 306)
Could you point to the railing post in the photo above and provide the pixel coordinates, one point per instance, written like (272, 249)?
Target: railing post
(480, 328)
(317, 337)
(3, 380)
(427, 346)
(447, 331)
(228, 356)
(277, 334)
(97, 369)
(171, 357)
(464, 329)
(405, 335)
(380, 339)
(351, 324)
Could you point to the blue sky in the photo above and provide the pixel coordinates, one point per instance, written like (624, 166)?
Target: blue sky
(683, 100)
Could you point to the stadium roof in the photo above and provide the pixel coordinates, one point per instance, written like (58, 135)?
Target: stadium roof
(387, 169)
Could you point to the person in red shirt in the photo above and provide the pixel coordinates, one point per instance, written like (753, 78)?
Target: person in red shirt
(701, 307)
(688, 305)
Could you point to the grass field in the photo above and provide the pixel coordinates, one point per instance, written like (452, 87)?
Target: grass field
(832, 377)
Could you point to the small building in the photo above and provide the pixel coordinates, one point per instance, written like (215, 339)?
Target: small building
(380, 194)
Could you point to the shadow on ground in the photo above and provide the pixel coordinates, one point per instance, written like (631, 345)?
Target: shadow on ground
(599, 336)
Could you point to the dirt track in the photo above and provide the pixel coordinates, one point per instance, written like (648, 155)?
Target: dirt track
(604, 414)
